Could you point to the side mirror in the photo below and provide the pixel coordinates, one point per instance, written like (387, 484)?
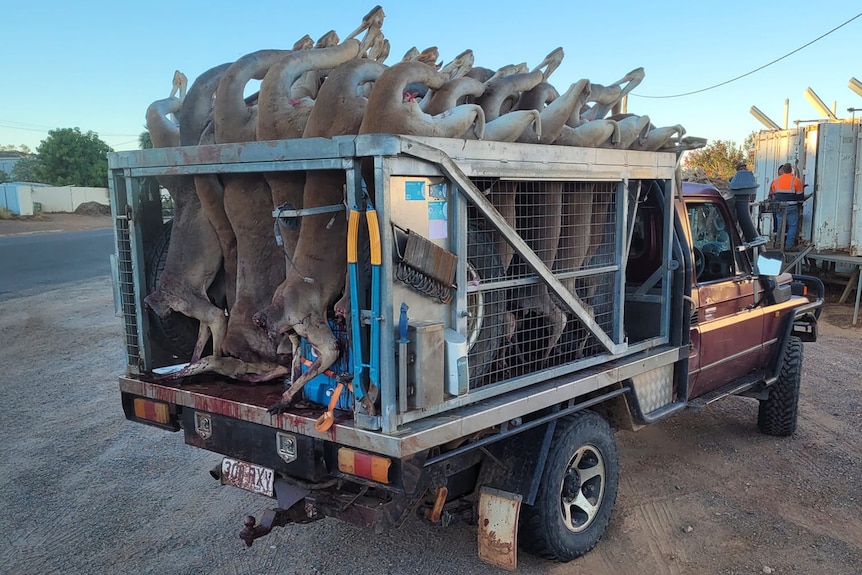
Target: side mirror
(769, 263)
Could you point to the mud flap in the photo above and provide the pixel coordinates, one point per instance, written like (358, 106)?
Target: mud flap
(498, 527)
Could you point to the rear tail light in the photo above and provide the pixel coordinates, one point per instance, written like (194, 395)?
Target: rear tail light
(365, 465)
(150, 410)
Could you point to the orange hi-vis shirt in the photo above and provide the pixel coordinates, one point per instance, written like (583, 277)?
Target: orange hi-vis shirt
(786, 183)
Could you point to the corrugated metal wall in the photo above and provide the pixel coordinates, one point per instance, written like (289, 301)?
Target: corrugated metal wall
(836, 199)
(828, 158)
(856, 236)
(773, 148)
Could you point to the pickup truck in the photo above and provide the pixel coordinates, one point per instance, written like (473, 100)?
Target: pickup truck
(527, 302)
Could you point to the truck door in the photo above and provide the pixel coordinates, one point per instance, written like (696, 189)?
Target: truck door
(726, 335)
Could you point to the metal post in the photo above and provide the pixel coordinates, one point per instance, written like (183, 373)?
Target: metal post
(136, 242)
(621, 239)
(858, 293)
(458, 245)
(388, 372)
(667, 246)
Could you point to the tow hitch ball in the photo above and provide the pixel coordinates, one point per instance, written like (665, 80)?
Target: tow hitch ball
(270, 518)
(301, 512)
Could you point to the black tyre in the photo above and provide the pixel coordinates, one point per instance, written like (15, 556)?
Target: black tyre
(175, 333)
(577, 491)
(777, 415)
(486, 308)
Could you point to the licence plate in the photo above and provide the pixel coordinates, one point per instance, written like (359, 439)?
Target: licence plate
(248, 476)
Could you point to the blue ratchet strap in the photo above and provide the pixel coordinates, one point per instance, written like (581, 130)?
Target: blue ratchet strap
(355, 312)
(376, 261)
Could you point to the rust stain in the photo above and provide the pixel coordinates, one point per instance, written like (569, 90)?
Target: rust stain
(498, 545)
(248, 402)
(497, 534)
(439, 502)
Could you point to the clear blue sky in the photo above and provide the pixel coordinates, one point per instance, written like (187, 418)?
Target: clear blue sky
(98, 65)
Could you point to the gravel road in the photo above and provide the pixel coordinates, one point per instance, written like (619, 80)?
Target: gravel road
(84, 491)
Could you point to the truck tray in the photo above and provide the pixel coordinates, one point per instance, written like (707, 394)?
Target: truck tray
(248, 403)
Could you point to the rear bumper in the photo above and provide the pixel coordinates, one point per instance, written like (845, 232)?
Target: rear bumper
(309, 484)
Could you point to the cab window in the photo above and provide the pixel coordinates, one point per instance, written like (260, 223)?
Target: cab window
(713, 247)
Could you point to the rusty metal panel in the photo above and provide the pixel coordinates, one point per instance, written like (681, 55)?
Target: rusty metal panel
(773, 148)
(856, 229)
(799, 147)
(834, 198)
(498, 528)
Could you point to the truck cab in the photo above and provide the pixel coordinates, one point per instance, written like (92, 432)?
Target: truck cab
(740, 317)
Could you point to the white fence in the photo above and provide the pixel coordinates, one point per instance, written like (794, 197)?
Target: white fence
(15, 197)
(67, 198)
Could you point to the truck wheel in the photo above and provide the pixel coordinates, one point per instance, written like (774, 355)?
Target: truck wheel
(577, 491)
(176, 333)
(485, 308)
(778, 413)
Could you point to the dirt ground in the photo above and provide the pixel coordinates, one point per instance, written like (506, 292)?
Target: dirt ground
(84, 491)
(53, 222)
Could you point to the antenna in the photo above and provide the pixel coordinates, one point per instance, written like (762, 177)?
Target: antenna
(818, 104)
(764, 119)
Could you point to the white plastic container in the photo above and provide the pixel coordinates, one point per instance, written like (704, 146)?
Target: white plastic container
(457, 369)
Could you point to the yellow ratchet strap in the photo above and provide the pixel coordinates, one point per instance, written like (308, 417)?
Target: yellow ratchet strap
(374, 237)
(353, 237)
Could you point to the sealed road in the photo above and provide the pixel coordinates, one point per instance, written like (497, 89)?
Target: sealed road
(35, 262)
(84, 491)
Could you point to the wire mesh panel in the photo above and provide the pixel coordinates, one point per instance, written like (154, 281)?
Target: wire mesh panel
(572, 228)
(127, 290)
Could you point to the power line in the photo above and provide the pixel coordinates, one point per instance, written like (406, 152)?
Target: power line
(2, 125)
(756, 69)
(45, 129)
(23, 124)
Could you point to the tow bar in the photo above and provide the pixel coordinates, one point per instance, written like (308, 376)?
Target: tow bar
(301, 512)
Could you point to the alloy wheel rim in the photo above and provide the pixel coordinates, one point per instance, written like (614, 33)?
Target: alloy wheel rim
(582, 488)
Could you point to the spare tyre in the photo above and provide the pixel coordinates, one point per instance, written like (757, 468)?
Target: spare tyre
(486, 308)
(175, 333)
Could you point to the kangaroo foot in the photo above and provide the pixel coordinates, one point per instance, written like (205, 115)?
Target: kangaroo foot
(282, 405)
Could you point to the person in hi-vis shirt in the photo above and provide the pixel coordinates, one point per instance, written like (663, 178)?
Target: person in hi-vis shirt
(788, 188)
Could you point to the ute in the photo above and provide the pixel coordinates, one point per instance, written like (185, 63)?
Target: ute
(511, 308)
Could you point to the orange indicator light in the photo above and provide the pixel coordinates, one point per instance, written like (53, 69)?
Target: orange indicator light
(365, 465)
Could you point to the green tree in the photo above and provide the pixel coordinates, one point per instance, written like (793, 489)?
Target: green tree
(4, 177)
(26, 169)
(13, 148)
(716, 160)
(748, 149)
(68, 157)
(144, 140)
